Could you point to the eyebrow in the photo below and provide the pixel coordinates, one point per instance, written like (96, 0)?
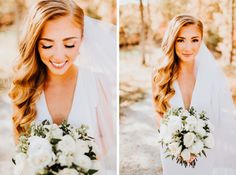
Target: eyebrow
(66, 39)
(180, 37)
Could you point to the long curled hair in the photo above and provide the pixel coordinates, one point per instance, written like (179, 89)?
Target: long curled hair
(168, 68)
(29, 72)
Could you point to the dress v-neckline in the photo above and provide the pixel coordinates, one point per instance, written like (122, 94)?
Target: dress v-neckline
(193, 92)
(78, 79)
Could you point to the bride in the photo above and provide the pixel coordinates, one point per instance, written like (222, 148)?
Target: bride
(48, 82)
(189, 76)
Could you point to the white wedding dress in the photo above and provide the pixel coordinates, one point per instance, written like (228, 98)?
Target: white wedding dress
(212, 95)
(89, 108)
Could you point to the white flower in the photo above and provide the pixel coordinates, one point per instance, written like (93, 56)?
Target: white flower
(83, 161)
(67, 144)
(94, 146)
(175, 149)
(96, 165)
(20, 160)
(163, 131)
(197, 147)
(189, 139)
(41, 159)
(66, 159)
(27, 169)
(37, 144)
(191, 123)
(81, 147)
(185, 113)
(54, 131)
(165, 134)
(68, 171)
(199, 129)
(175, 123)
(209, 141)
(185, 154)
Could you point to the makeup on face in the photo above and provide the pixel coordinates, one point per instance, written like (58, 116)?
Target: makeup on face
(58, 45)
(188, 42)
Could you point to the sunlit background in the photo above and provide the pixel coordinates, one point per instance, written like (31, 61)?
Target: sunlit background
(142, 25)
(11, 14)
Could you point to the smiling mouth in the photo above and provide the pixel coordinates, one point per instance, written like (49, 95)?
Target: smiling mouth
(58, 65)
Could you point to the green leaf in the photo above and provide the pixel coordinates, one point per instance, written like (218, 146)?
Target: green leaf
(92, 171)
(54, 141)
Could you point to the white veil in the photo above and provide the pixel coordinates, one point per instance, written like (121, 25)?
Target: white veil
(223, 111)
(98, 54)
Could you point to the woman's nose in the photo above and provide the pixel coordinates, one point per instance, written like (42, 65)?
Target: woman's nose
(187, 46)
(59, 54)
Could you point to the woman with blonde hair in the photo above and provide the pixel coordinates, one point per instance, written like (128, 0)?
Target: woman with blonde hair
(48, 84)
(188, 75)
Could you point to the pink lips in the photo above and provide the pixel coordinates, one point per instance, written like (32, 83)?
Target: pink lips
(187, 55)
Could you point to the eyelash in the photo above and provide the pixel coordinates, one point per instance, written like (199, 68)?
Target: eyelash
(194, 40)
(180, 40)
(46, 47)
(67, 46)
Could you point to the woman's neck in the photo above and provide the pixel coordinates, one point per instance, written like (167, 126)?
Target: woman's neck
(61, 79)
(187, 67)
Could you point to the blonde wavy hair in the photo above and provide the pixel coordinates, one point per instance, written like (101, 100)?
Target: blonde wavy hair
(168, 68)
(29, 72)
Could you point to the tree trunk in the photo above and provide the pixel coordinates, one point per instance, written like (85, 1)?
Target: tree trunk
(142, 32)
(233, 32)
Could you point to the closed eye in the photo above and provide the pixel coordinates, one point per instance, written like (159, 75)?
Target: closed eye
(69, 46)
(180, 40)
(46, 47)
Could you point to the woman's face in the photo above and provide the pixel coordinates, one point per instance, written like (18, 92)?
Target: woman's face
(59, 44)
(188, 42)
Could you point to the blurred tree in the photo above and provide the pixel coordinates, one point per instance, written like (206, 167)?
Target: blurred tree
(143, 38)
(233, 33)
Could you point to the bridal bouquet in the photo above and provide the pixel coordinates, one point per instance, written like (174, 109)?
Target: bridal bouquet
(49, 149)
(185, 134)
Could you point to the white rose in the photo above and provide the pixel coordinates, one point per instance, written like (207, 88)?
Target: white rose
(197, 147)
(68, 171)
(175, 149)
(28, 169)
(56, 131)
(209, 141)
(163, 131)
(189, 139)
(199, 129)
(96, 165)
(185, 154)
(81, 147)
(20, 160)
(41, 159)
(83, 161)
(94, 146)
(37, 144)
(191, 123)
(66, 159)
(174, 124)
(185, 113)
(164, 134)
(67, 144)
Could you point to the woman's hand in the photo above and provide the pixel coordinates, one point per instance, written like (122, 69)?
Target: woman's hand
(192, 158)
